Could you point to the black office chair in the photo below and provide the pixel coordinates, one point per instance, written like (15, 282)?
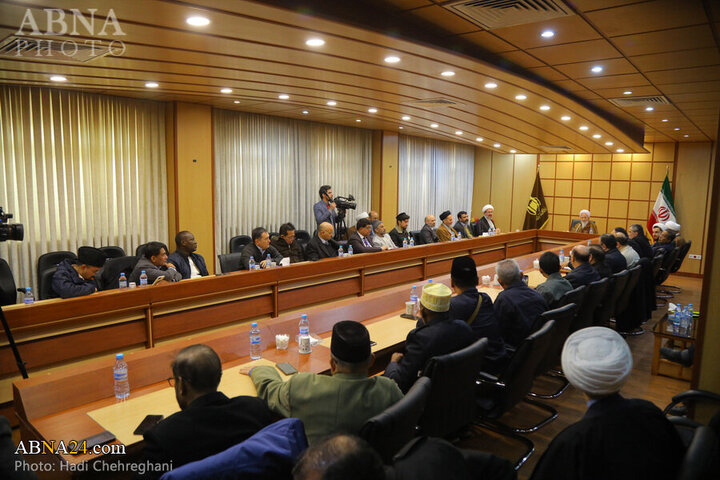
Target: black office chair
(564, 318)
(417, 237)
(45, 283)
(656, 263)
(615, 289)
(47, 261)
(109, 277)
(576, 296)
(682, 253)
(237, 243)
(113, 251)
(140, 250)
(230, 262)
(593, 297)
(573, 222)
(390, 430)
(702, 458)
(667, 264)
(8, 289)
(627, 317)
(687, 399)
(451, 405)
(498, 395)
(302, 237)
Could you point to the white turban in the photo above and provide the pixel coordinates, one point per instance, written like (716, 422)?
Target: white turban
(661, 226)
(670, 225)
(596, 360)
(587, 212)
(486, 207)
(362, 215)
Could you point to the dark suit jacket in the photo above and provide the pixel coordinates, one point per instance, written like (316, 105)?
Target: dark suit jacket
(483, 225)
(316, 250)
(210, 424)
(251, 250)
(517, 309)
(666, 248)
(461, 229)
(641, 244)
(180, 260)
(397, 237)
(618, 438)
(293, 251)
(359, 247)
(8, 468)
(436, 338)
(584, 274)
(428, 235)
(615, 260)
(602, 269)
(66, 282)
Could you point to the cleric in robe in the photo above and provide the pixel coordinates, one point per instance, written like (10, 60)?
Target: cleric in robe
(585, 225)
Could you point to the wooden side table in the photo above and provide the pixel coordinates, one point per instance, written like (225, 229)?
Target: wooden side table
(661, 366)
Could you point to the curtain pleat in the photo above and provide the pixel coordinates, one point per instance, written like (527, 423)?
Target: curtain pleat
(434, 176)
(268, 171)
(80, 169)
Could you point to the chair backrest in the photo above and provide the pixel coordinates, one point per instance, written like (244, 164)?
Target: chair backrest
(140, 250)
(657, 264)
(593, 297)
(563, 317)
(680, 257)
(113, 251)
(701, 458)
(230, 262)
(303, 237)
(8, 290)
(390, 430)
(521, 371)
(50, 260)
(606, 310)
(417, 237)
(451, 405)
(238, 243)
(667, 263)
(574, 222)
(576, 296)
(110, 276)
(628, 290)
(45, 283)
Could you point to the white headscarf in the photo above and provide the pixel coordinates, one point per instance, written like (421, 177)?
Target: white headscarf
(584, 211)
(486, 207)
(670, 225)
(661, 226)
(362, 215)
(596, 360)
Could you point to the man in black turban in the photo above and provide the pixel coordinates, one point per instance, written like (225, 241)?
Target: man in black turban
(78, 279)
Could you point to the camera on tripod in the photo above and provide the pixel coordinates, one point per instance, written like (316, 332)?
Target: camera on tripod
(7, 231)
(345, 203)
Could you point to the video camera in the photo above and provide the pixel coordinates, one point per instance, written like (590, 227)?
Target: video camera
(345, 203)
(9, 232)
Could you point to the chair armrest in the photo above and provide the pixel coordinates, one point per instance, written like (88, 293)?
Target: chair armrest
(691, 395)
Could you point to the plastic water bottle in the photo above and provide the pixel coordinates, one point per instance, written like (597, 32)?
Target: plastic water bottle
(429, 280)
(268, 261)
(677, 319)
(29, 297)
(412, 241)
(350, 252)
(405, 243)
(341, 252)
(685, 323)
(123, 281)
(413, 292)
(255, 346)
(588, 243)
(251, 263)
(304, 325)
(562, 256)
(143, 279)
(120, 377)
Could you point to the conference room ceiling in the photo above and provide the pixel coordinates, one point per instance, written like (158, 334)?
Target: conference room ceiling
(259, 51)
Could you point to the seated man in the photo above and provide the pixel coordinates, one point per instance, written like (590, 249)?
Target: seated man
(78, 279)
(657, 229)
(342, 402)
(597, 260)
(613, 258)
(617, 438)
(445, 232)
(582, 273)
(476, 309)
(437, 334)
(287, 245)
(517, 307)
(322, 245)
(637, 236)
(463, 225)
(427, 233)
(373, 215)
(381, 238)
(555, 286)
(664, 244)
(631, 256)
(188, 263)
(360, 241)
(154, 263)
(486, 222)
(259, 249)
(208, 422)
(400, 232)
(585, 225)
(674, 229)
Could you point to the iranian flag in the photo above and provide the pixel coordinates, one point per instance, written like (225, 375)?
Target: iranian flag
(664, 209)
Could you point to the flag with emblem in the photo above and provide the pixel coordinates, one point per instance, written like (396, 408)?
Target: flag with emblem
(664, 209)
(536, 215)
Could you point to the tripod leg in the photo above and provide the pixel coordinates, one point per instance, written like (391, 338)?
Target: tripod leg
(13, 346)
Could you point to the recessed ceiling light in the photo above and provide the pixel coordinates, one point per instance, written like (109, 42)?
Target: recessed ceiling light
(236, 101)
(619, 150)
(627, 92)
(584, 127)
(372, 110)
(458, 132)
(283, 96)
(434, 125)
(491, 85)
(305, 112)
(565, 118)
(314, 42)
(405, 118)
(520, 97)
(597, 135)
(447, 73)
(664, 119)
(686, 135)
(596, 69)
(649, 109)
(358, 120)
(58, 78)
(609, 144)
(547, 34)
(401, 127)
(513, 151)
(676, 128)
(226, 90)
(331, 103)
(478, 139)
(392, 59)
(497, 145)
(152, 84)
(544, 108)
(197, 21)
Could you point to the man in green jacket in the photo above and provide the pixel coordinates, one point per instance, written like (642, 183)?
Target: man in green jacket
(327, 404)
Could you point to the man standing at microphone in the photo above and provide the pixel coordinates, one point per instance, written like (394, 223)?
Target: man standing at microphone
(324, 210)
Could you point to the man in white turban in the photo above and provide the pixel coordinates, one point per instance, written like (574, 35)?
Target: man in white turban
(617, 438)
(674, 229)
(486, 222)
(657, 229)
(585, 225)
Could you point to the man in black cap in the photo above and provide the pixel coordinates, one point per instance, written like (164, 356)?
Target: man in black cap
(327, 404)
(400, 231)
(476, 309)
(445, 231)
(78, 279)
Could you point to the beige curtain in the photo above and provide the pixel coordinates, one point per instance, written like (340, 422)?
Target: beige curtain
(268, 171)
(80, 169)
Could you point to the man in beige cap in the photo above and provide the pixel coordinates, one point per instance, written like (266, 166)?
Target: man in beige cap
(436, 335)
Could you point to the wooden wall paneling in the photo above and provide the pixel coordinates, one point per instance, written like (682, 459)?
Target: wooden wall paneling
(502, 180)
(389, 178)
(482, 184)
